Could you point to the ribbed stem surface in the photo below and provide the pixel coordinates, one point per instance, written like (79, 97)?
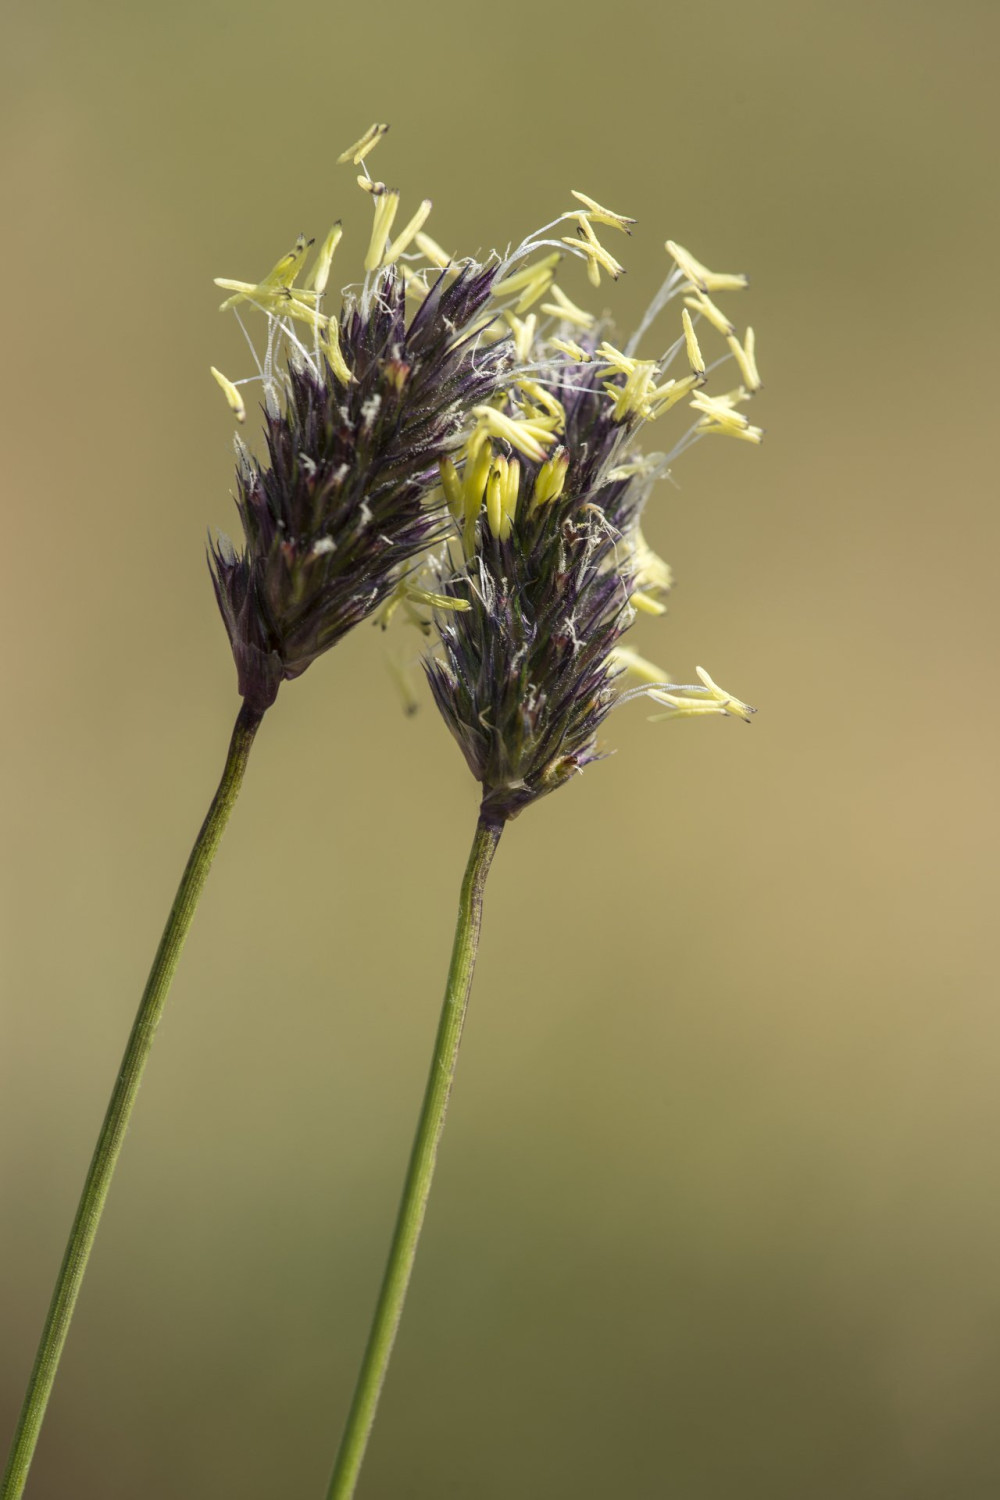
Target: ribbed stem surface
(109, 1143)
(420, 1173)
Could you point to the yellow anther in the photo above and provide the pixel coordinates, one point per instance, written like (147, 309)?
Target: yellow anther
(433, 251)
(431, 600)
(748, 434)
(551, 478)
(528, 437)
(386, 204)
(567, 346)
(408, 595)
(330, 345)
(369, 185)
(518, 280)
(451, 484)
(501, 496)
(532, 282)
(702, 304)
(597, 256)
(614, 357)
(646, 604)
(478, 462)
(509, 495)
(687, 702)
(720, 409)
(283, 274)
(302, 312)
(744, 357)
(735, 397)
(494, 509)
(232, 395)
(639, 667)
(561, 307)
(523, 331)
(407, 234)
(601, 215)
(544, 399)
(361, 148)
(665, 396)
(720, 415)
(275, 290)
(704, 279)
(324, 260)
(633, 398)
(695, 359)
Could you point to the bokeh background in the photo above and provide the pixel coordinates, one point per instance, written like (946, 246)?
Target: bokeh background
(717, 1212)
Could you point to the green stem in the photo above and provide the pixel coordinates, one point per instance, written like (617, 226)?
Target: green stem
(109, 1144)
(416, 1189)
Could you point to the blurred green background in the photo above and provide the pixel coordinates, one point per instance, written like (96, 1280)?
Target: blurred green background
(717, 1212)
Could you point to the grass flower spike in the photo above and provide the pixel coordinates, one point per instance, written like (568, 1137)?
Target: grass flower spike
(545, 573)
(340, 506)
(526, 675)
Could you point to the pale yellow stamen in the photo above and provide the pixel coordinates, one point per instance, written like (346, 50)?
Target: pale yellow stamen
(597, 256)
(704, 279)
(324, 260)
(478, 462)
(702, 304)
(275, 290)
(232, 395)
(614, 357)
(633, 398)
(386, 204)
(561, 307)
(361, 148)
(744, 357)
(720, 409)
(709, 699)
(668, 395)
(528, 437)
(638, 666)
(748, 434)
(435, 601)
(543, 399)
(409, 595)
(523, 331)
(451, 484)
(501, 496)
(331, 348)
(433, 251)
(532, 282)
(601, 215)
(551, 478)
(694, 354)
(567, 346)
(408, 234)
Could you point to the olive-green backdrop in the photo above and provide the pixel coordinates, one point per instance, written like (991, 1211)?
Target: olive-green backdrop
(717, 1213)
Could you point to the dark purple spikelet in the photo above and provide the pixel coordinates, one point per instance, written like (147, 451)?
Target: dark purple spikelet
(340, 505)
(524, 677)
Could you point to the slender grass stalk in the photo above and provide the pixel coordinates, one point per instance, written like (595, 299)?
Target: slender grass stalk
(109, 1144)
(420, 1172)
